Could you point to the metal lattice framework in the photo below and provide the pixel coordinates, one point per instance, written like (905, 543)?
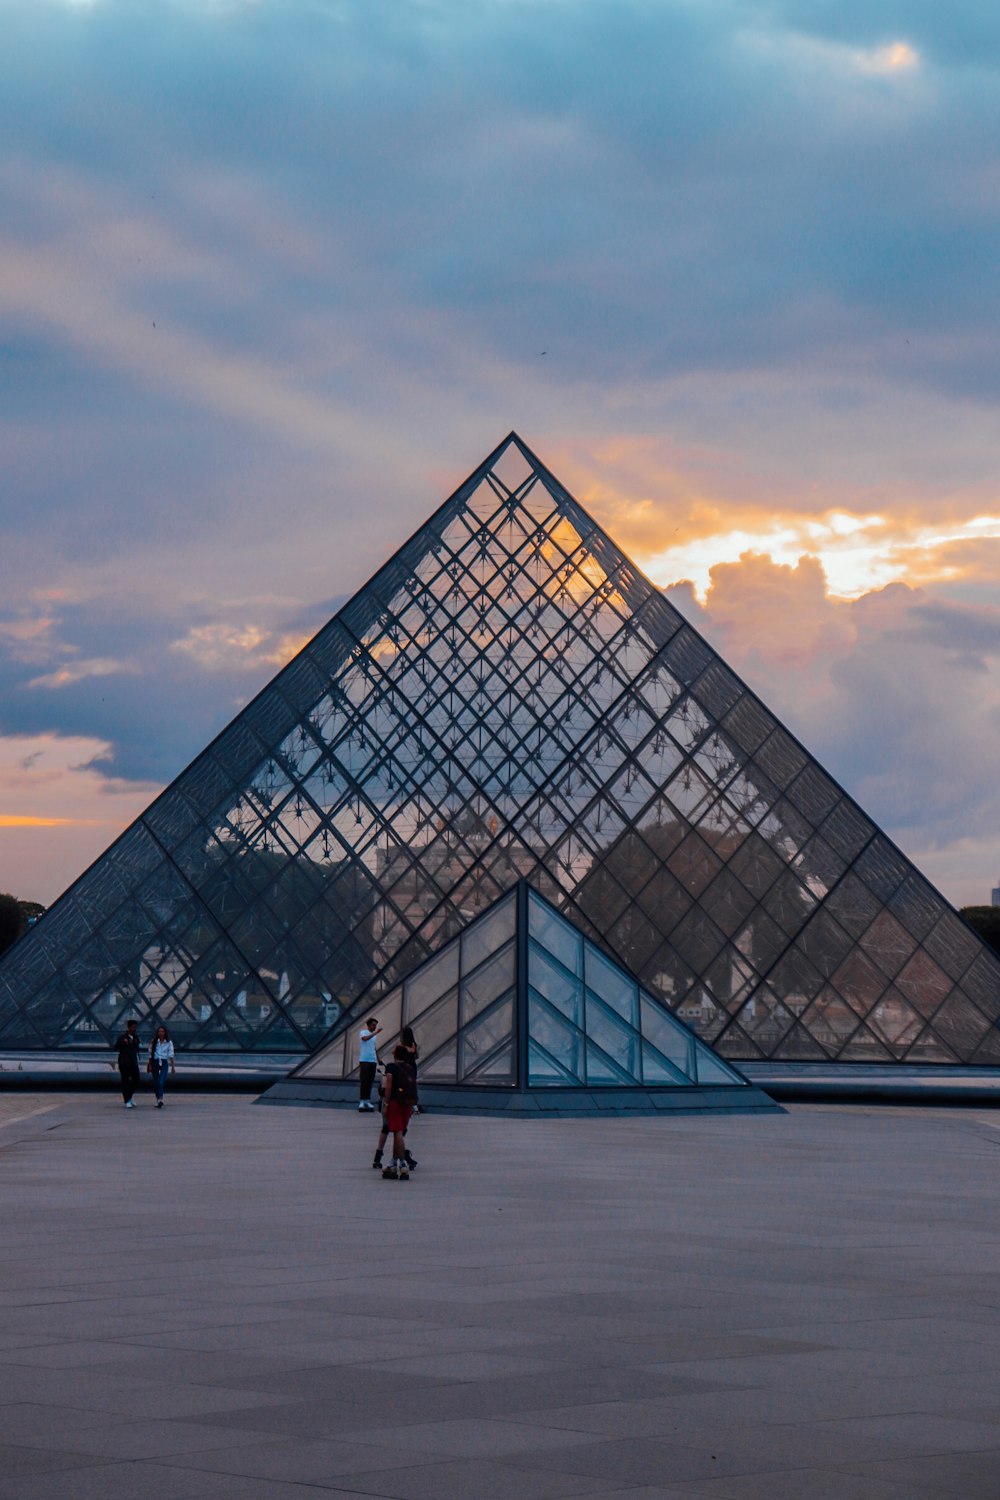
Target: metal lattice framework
(521, 998)
(508, 698)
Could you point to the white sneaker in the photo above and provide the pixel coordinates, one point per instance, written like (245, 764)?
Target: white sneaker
(361, 1107)
(130, 1105)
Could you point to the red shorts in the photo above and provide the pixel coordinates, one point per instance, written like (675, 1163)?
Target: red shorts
(397, 1116)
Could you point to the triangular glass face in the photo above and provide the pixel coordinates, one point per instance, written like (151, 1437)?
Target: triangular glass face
(592, 1024)
(507, 698)
(521, 972)
(460, 1005)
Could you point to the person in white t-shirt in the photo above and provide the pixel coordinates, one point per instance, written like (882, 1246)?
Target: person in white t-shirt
(368, 1061)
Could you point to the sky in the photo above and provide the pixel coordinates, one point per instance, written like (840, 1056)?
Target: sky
(275, 276)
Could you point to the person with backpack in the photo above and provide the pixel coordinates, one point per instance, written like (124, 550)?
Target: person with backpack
(411, 1161)
(400, 1095)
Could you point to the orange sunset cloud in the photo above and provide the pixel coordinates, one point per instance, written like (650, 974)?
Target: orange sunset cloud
(56, 782)
(682, 513)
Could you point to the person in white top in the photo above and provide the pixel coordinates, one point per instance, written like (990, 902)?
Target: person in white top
(367, 1063)
(161, 1060)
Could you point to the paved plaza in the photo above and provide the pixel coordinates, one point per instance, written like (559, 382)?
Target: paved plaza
(222, 1300)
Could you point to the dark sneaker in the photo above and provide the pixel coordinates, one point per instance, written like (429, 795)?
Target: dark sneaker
(377, 1160)
(411, 1161)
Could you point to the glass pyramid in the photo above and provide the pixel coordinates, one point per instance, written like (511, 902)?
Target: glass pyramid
(507, 698)
(522, 999)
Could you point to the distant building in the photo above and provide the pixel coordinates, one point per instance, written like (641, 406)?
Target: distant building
(996, 895)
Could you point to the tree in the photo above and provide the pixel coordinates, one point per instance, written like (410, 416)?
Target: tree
(986, 921)
(10, 921)
(16, 917)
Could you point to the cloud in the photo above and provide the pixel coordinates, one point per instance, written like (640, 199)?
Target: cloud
(889, 59)
(79, 671)
(858, 553)
(218, 646)
(27, 820)
(28, 639)
(58, 809)
(897, 693)
(275, 277)
(817, 56)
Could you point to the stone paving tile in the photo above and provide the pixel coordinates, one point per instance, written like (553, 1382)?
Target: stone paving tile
(153, 1481)
(741, 1405)
(817, 1368)
(806, 1484)
(959, 1476)
(642, 1460)
(304, 1460)
(102, 1434)
(79, 1354)
(473, 1365)
(480, 1438)
(476, 1479)
(22, 1106)
(662, 1417)
(140, 1398)
(580, 1382)
(833, 1443)
(16, 1460)
(306, 1419)
(809, 1299)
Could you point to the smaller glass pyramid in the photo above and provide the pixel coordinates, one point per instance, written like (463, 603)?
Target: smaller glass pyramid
(521, 999)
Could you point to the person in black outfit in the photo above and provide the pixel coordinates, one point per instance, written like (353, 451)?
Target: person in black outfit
(409, 1041)
(127, 1047)
(400, 1097)
(408, 1046)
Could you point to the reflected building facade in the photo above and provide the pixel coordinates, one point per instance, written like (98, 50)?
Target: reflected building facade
(508, 698)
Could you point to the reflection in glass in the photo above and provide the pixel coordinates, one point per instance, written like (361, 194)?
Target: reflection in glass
(508, 698)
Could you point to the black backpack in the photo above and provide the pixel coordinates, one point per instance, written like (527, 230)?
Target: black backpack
(404, 1082)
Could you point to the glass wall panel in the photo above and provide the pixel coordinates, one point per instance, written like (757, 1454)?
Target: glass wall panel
(562, 990)
(601, 1070)
(748, 723)
(556, 1050)
(436, 977)
(888, 943)
(613, 986)
(618, 1044)
(923, 983)
(487, 936)
(662, 1033)
(853, 905)
(711, 1070)
(952, 945)
(488, 982)
(481, 1039)
(557, 936)
(765, 1019)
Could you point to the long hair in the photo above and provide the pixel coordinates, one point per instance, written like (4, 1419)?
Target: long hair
(409, 1041)
(157, 1037)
